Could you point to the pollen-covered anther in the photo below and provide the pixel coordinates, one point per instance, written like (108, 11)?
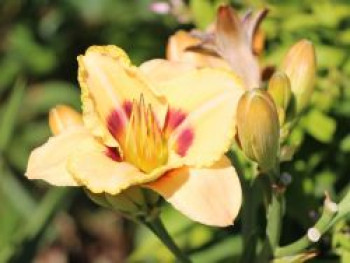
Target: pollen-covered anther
(145, 145)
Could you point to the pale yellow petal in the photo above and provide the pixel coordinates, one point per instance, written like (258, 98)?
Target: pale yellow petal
(91, 167)
(109, 85)
(160, 70)
(48, 162)
(208, 99)
(211, 196)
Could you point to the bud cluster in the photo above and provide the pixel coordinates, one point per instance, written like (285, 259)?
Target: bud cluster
(264, 116)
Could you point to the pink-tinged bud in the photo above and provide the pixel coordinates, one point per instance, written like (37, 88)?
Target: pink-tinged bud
(61, 117)
(258, 128)
(300, 66)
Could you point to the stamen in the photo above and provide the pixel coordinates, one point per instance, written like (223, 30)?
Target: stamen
(145, 145)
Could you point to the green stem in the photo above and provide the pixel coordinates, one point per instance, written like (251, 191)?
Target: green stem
(273, 227)
(314, 233)
(158, 228)
(274, 214)
(252, 200)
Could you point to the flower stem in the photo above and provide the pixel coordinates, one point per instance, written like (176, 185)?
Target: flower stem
(313, 234)
(273, 228)
(158, 228)
(249, 220)
(274, 214)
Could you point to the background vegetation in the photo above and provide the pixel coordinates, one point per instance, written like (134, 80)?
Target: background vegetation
(39, 42)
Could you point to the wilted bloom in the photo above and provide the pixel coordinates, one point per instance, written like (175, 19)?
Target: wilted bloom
(231, 42)
(258, 128)
(280, 90)
(151, 128)
(177, 51)
(300, 66)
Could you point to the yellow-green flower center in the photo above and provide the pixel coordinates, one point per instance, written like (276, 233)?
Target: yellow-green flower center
(144, 144)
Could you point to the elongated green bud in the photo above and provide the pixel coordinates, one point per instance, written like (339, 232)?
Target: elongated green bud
(258, 128)
(300, 66)
(280, 90)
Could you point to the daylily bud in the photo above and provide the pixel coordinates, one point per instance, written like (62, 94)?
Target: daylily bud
(258, 128)
(61, 117)
(280, 90)
(300, 66)
(134, 202)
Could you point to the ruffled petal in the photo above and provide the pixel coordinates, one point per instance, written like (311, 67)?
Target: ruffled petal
(205, 101)
(160, 70)
(109, 85)
(49, 162)
(211, 196)
(94, 168)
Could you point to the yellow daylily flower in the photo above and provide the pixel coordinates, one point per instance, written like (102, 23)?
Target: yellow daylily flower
(148, 127)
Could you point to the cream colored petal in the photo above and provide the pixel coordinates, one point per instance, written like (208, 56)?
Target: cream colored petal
(207, 98)
(48, 162)
(109, 85)
(160, 70)
(211, 196)
(91, 167)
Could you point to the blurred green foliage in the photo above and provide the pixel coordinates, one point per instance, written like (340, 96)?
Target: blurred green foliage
(39, 42)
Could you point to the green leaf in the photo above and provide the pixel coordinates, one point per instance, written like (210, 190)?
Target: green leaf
(35, 225)
(299, 258)
(329, 56)
(203, 12)
(345, 144)
(13, 190)
(319, 126)
(10, 67)
(33, 56)
(43, 96)
(9, 117)
(223, 251)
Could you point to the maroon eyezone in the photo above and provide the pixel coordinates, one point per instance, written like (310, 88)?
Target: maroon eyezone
(173, 119)
(113, 153)
(116, 123)
(184, 141)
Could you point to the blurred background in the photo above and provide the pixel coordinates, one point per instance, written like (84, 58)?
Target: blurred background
(39, 43)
